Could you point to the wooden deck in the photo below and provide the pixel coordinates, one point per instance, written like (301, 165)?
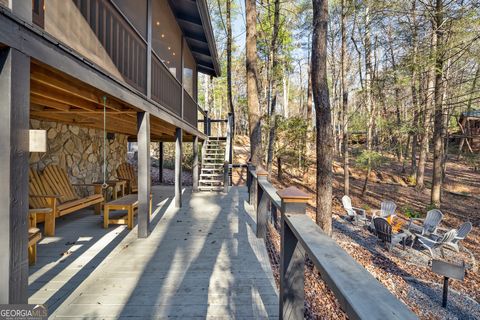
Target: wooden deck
(200, 261)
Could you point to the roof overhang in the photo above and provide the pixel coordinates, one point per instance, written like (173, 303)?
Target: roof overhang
(194, 20)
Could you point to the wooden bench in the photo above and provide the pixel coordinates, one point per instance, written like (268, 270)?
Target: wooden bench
(128, 203)
(125, 171)
(34, 234)
(52, 189)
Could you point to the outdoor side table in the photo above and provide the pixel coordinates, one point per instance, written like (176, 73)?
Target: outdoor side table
(118, 186)
(127, 203)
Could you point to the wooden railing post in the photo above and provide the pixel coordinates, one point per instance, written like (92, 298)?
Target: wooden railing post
(292, 259)
(226, 177)
(249, 179)
(262, 204)
(205, 123)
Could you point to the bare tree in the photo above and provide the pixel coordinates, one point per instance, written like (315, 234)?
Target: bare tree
(438, 127)
(252, 90)
(346, 177)
(324, 140)
(273, 85)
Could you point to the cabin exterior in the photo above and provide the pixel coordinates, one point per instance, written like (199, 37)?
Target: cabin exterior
(75, 68)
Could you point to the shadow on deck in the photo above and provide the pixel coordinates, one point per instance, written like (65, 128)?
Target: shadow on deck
(202, 260)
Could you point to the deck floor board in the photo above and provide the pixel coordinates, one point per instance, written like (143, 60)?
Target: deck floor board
(200, 261)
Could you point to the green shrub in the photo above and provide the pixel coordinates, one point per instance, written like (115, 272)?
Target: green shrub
(411, 213)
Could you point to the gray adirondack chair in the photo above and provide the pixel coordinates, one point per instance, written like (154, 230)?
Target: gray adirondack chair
(462, 233)
(356, 214)
(439, 243)
(430, 223)
(383, 229)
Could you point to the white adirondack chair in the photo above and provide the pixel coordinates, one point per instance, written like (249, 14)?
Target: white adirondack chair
(356, 214)
(439, 243)
(462, 233)
(430, 223)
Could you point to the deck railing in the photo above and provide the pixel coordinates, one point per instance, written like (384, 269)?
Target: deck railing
(190, 111)
(127, 49)
(360, 295)
(166, 89)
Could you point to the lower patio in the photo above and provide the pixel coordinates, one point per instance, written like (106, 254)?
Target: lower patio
(201, 260)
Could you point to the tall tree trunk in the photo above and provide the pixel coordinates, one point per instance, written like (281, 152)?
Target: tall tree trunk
(229, 57)
(274, 76)
(324, 139)
(467, 131)
(368, 92)
(428, 104)
(309, 99)
(414, 133)
(346, 176)
(252, 90)
(438, 129)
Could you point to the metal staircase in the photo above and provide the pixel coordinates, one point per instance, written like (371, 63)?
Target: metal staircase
(213, 158)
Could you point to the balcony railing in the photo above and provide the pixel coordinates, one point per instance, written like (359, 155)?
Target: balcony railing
(360, 295)
(190, 112)
(128, 51)
(166, 89)
(126, 48)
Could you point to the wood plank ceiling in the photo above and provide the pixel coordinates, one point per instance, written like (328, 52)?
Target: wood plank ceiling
(55, 96)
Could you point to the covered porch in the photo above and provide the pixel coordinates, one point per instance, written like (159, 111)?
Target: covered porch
(201, 260)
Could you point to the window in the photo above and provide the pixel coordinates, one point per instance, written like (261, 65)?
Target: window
(38, 12)
(136, 13)
(166, 37)
(189, 72)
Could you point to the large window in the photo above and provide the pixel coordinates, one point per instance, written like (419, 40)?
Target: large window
(189, 72)
(166, 37)
(136, 13)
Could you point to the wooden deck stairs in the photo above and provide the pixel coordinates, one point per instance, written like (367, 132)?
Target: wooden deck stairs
(213, 157)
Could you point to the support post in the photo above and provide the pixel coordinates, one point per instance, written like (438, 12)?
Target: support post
(205, 123)
(262, 204)
(160, 162)
(144, 179)
(178, 167)
(226, 178)
(14, 125)
(445, 292)
(253, 194)
(249, 179)
(149, 49)
(292, 259)
(195, 167)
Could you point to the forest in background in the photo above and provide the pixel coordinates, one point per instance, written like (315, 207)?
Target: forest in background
(400, 74)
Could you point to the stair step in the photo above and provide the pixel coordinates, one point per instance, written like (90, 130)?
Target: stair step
(211, 170)
(210, 188)
(201, 181)
(211, 174)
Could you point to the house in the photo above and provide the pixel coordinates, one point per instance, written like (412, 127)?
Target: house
(81, 69)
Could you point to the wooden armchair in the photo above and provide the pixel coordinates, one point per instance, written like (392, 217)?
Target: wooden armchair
(34, 234)
(126, 171)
